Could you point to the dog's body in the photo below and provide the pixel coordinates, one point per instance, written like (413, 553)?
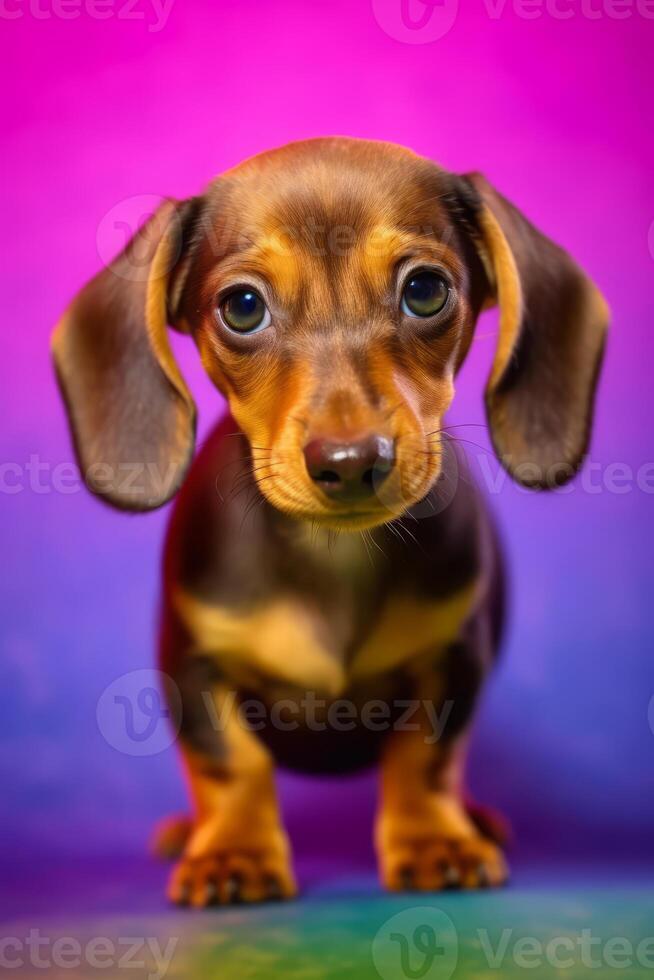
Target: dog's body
(409, 613)
(332, 288)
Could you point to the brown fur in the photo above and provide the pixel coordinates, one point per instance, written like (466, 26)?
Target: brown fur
(259, 601)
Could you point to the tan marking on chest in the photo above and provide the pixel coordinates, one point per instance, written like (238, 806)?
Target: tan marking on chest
(408, 627)
(280, 639)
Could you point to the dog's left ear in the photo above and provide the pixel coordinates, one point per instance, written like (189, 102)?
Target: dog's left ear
(131, 413)
(553, 321)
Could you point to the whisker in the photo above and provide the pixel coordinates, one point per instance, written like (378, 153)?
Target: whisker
(412, 536)
(374, 541)
(367, 547)
(252, 505)
(458, 425)
(471, 442)
(391, 527)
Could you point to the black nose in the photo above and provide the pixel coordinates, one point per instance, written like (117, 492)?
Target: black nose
(350, 471)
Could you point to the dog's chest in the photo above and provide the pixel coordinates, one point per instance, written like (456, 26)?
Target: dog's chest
(344, 629)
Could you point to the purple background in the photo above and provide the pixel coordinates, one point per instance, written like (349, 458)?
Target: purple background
(557, 113)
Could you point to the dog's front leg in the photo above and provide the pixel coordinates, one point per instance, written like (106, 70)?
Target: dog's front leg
(424, 837)
(238, 849)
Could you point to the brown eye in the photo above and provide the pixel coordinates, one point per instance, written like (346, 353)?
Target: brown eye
(244, 311)
(425, 294)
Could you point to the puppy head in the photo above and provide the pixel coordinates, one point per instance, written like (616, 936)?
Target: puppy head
(332, 288)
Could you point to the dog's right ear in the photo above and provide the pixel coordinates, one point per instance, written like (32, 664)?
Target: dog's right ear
(131, 413)
(553, 322)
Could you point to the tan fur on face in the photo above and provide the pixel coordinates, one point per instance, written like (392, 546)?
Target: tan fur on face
(327, 232)
(325, 239)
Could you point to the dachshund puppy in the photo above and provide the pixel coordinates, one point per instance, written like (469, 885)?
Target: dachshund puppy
(332, 288)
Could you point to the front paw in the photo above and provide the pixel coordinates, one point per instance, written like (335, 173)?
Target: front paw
(229, 876)
(433, 863)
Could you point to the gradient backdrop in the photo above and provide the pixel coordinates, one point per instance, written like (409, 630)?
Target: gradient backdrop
(558, 114)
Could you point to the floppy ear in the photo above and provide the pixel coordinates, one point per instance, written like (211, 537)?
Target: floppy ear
(131, 414)
(553, 321)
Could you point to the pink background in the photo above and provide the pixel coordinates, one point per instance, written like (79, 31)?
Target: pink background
(558, 114)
